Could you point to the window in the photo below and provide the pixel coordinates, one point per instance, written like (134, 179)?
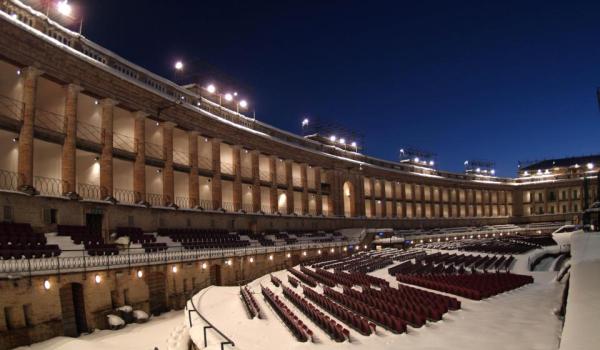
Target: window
(551, 196)
(564, 195)
(540, 210)
(540, 197)
(575, 194)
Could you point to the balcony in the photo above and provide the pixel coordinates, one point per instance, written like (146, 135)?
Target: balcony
(49, 121)
(180, 157)
(11, 108)
(153, 150)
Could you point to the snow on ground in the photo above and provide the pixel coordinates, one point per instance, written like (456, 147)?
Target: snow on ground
(519, 319)
(582, 327)
(145, 336)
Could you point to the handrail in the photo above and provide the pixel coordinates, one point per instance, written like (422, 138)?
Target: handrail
(210, 325)
(79, 261)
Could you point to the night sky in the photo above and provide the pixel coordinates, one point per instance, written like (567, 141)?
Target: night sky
(496, 80)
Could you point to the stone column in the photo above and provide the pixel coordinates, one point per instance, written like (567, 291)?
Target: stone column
(403, 199)
(106, 159)
(334, 203)
(360, 196)
(423, 211)
(273, 193)
(168, 176)
(68, 163)
(319, 195)
(289, 180)
(193, 181)
(383, 198)
(432, 201)
(217, 196)
(256, 193)
(394, 200)
(139, 166)
(25, 158)
(304, 182)
(413, 201)
(237, 177)
(373, 200)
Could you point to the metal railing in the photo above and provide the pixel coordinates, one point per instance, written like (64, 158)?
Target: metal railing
(155, 199)
(11, 108)
(227, 168)
(180, 157)
(204, 163)
(9, 180)
(89, 132)
(88, 191)
(126, 196)
(194, 310)
(182, 202)
(78, 259)
(228, 206)
(123, 142)
(154, 150)
(49, 120)
(49, 186)
(207, 204)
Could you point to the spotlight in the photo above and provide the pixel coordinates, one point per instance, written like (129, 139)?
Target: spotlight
(332, 138)
(15, 139)
(211, 88)
(271, 257)
(140, 273)
(353, 144)
(305, 122)
(64, 8)
(98, 279)
(304, 253)
(590, 166)
(431, 163)
(228, 97)
(179, 65)
(416, 159)
(251, 260)
(243, 103)
(332, 250)
(174, 269)
(319, 252)
(343, 141)
(289, 255)
(47, 285)
(203, 266)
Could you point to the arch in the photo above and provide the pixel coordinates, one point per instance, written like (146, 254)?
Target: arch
(349, 202)
(282, 203)
(73, 309)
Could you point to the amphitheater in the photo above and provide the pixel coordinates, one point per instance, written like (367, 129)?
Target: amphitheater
(142, 214)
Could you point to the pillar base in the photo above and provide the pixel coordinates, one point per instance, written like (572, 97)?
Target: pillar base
(30, 190)
(72, 196)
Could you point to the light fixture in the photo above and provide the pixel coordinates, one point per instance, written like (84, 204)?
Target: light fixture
(431, 163)
(15, 139)
(235, 93)
(493, 172)
(345, 249)
(289, 255)
(179, 65)
(96, 158)
(211, 88)
(228, 97)
(64, 8)
(526, 173)
(98, 279)
(251, 260)
(332, 138)
(304, 253)
(343, 141)
(332, 250)
(365, 246)
(47, 285)
(243, 103)
(416, 159)
(204, 266)
(140, 273)
(18, 72)
(319, 252)
(353, 144)
(305, 122)
(96, 102)
(271, 257)
(590, 166)
(174, 269)
(478, 170)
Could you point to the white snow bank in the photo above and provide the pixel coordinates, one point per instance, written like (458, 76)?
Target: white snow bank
(115, 321)
(140, 315)
(125, 308)
(179, 338)
(582, 326)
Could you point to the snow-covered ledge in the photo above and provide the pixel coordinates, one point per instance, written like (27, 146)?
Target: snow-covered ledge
(582, 327)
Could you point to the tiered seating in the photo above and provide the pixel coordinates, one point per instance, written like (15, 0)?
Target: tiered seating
(250, 302)
(294, 282)
(336, 331)
(444, 263)
(154, 247)
(204, 239)
(408, 315)
(135, 234)
(298, 328)
(318, 277)
(19, 241)
(474, 286)
(391, 323)
(359, 263)
(264, 241)
(93, 243)
(302, 277)
(276, 281)
(350, 318)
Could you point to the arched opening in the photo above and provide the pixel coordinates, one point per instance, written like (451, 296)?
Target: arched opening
(73, 309)
(349, 199)
(282, 203)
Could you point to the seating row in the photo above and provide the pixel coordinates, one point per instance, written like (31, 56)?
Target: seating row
(298, 328)
(302, 277)
(336, 331)
(250, 302)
